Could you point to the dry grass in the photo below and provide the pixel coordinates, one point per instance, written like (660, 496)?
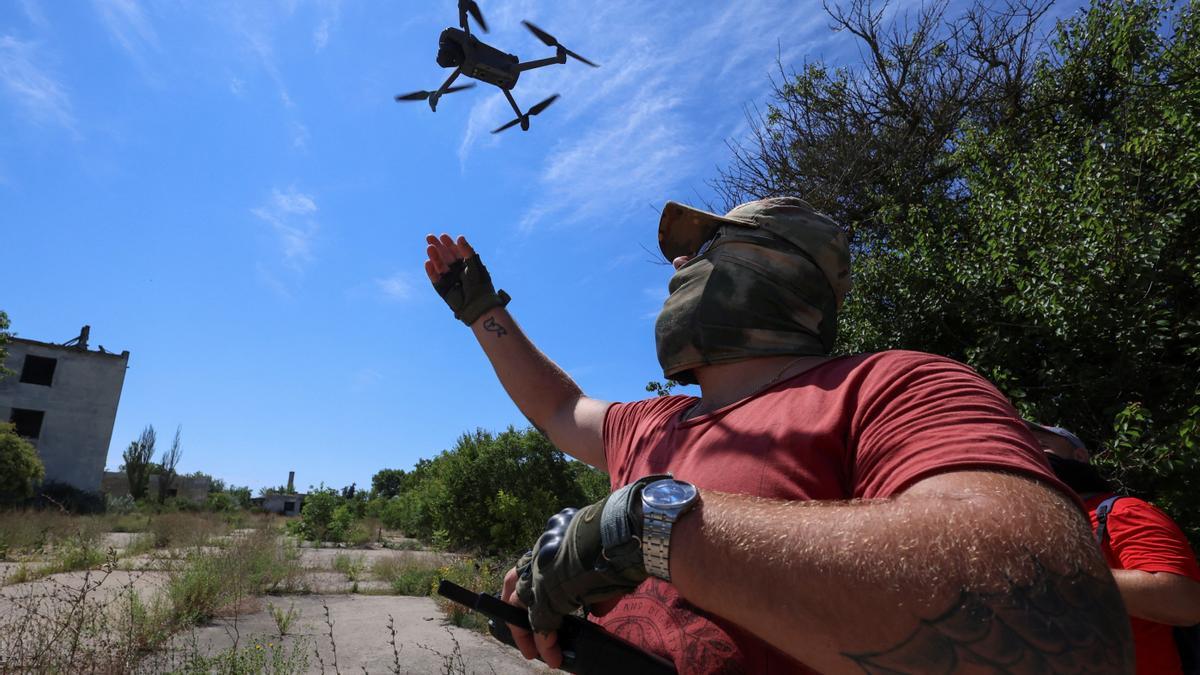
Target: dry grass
(87, 622)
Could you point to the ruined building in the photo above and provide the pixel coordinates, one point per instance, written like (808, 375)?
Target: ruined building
(63, 398)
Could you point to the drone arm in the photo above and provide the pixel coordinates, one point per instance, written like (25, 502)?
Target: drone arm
(512, 102)
(530, 65)
(433, 98)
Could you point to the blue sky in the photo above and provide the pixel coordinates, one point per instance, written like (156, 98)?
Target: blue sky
(228, 191)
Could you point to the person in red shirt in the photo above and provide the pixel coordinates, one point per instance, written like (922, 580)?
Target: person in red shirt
(1151, 560)
(878, 513)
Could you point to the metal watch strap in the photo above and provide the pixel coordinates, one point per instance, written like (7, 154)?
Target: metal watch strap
(620, 545)
(656, 545)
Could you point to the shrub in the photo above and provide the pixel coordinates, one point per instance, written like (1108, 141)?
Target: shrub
(20, 468)
(221, 502)
(119, 506)
(481, 575)
(317, 515)
(183, 529)
(351, 566)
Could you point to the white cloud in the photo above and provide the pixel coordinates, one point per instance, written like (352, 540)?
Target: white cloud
(290, 215)
(299, 135)
(43, 97)
(321, 34)
(330, 12)
(128, 25)
(672, 85)
(396, 287)
(33, 12)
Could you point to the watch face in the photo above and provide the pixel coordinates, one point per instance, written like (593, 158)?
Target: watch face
(668, 493)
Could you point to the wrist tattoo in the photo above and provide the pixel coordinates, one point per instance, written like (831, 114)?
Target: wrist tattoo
(1052, 623)
(493, 326)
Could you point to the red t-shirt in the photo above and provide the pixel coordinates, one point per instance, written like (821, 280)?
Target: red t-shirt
(856, 427)
(1141, 537)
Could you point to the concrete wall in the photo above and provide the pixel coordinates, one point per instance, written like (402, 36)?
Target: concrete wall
(194, 489)
(278, 504)
(79, 405)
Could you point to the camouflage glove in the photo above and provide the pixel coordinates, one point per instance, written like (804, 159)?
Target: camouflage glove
(584, 557)
(467, 288)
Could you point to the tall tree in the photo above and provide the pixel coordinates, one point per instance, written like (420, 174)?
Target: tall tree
(1045, 230)
(388, 482)
(854, 140)
(137, 462)
(5, 336)
(170, 459)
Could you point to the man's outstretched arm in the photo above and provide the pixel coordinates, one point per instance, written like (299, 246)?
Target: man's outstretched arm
(965, 572)
(545, 394)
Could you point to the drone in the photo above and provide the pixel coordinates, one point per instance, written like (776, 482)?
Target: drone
(469, 56)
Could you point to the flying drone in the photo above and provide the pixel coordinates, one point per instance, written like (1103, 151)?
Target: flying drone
(468, 55)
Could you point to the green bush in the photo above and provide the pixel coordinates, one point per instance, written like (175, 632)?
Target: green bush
(415, 580)
(491, 492)
(20, 468)
(482, 575)
(221, 502)
(316, 521)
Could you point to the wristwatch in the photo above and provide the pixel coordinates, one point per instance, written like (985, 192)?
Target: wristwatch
(663, 502)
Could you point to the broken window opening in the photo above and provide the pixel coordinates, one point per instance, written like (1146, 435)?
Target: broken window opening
(289, 507)
(38, 370)
(28, 422)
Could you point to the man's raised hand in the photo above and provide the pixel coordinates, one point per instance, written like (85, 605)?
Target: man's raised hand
(458, 275)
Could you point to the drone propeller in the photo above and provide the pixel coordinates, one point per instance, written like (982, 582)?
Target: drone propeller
(550, 41)
(523, 120)
(469, 6)
(424, 95)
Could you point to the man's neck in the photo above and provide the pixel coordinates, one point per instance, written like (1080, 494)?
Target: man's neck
(725, 383)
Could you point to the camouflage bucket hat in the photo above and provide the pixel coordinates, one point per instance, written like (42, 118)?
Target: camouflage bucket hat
(682, 230)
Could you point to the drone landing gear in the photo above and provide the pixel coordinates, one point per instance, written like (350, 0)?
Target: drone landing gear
(433, 96)
(523, 119)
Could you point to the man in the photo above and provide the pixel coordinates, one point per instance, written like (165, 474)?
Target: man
(1151, 560)
(879, 513)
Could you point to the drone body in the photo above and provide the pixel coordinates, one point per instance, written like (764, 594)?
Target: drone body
(470, 56)
(478, 61)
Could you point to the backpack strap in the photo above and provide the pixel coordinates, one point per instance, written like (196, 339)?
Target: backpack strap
(1102, 518)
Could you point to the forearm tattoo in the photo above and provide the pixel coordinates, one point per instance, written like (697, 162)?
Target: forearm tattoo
(493, 326)
(1052, 624)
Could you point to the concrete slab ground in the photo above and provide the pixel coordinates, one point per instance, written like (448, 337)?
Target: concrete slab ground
(120, 540)
(360, 631)
(322, 558)
(57, 589)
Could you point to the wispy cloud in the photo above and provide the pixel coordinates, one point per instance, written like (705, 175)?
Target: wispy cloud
(33, 12)
(365, 379)
(128, 26)
(398, 286)
(34, 89)
(291, 215)
(330, 12)
(299, 135)
(672, 87)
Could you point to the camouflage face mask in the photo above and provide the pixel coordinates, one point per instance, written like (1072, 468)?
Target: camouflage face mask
(753, 292)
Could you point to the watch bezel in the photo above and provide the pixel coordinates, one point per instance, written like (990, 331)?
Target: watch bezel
(651, 499)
